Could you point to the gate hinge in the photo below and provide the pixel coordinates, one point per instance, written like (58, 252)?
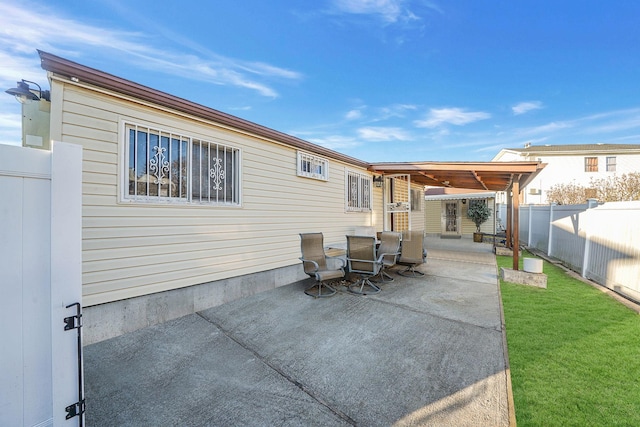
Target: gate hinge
(75, 410)
(73, 322)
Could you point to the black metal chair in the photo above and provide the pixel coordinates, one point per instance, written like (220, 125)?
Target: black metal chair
(361, 260)
(314, 262)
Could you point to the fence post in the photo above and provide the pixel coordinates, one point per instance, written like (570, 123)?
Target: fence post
(530, 224)
(591, 203)
(549, 245)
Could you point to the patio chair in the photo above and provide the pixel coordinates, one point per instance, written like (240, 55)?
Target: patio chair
(314, 262)
(388, 253)
(361, 260)
(412, 253)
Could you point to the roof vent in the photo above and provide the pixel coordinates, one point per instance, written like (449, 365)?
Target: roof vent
(527, 144)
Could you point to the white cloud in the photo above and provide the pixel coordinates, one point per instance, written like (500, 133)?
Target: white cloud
(11, 125)
(353, 115)
(525, 107)
(44, 32)
(615, 121)
(395, 110)
(383, 134)
(388, 11)
(455, 116)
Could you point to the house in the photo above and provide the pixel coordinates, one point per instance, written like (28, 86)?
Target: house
(572, 163)
(446, 211)
(185, 207)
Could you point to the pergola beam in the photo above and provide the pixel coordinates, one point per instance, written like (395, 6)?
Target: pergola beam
(488, 176)
(477, 177)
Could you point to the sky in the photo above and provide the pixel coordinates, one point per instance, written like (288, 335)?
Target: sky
(379, 80)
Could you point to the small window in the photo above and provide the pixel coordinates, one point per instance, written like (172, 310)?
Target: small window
(310, 166)
(167, 167)
(358, 191)
(591, 164)
(611, 164)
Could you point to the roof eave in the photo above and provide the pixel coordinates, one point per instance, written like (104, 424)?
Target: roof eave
(81, 73)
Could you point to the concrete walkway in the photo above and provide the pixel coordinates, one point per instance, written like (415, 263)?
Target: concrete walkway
(427, 351)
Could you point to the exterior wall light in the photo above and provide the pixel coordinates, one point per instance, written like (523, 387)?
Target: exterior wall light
(36, 114)
(24, 94)
(378, 181)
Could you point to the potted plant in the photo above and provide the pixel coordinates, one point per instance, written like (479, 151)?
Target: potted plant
(479, 213)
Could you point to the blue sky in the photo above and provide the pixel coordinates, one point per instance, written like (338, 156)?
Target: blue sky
(380, 80)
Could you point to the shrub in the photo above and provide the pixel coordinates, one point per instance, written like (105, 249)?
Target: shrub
(478, 212)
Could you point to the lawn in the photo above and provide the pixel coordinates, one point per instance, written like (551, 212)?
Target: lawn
(574, 353)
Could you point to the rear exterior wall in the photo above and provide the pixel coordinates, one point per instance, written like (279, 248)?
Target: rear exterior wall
(135, 249)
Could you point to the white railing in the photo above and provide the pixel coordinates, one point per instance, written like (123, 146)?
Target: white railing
(602, 243)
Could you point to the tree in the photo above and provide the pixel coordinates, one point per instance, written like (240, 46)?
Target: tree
(617, 188)
(478, 212)
(567, 194)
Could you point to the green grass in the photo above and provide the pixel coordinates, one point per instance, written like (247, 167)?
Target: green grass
(574, 353)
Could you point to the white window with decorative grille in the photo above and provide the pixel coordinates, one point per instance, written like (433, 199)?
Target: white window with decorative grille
(311, 166)
(358, 191)
(164, 166)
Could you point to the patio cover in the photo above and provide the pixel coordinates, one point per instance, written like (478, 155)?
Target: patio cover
(510, 177)
(493, 176)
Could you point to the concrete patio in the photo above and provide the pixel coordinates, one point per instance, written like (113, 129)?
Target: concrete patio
(426, 351)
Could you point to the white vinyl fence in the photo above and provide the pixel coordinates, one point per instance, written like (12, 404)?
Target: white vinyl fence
(40, 280)
(602, 243)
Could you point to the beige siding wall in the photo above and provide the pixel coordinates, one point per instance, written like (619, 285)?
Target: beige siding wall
(417, 214)
(433, 218)
(133, 249)
(433, 214)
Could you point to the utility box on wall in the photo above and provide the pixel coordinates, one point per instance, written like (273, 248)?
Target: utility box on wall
(36, 120)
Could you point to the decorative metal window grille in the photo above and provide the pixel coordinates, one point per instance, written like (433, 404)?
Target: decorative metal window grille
(311, 166)
(591, 164)
(611, 164)
(358, 192)
(163, 166)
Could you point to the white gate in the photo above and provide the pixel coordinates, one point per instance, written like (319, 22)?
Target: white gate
(40, 275)
(397, 206)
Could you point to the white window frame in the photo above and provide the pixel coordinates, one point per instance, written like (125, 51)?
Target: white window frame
(312, 166)
(611, 163)
(225, 187)
(358, 191)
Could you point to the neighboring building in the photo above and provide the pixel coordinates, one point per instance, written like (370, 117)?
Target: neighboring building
(571, 163)
(446, 211)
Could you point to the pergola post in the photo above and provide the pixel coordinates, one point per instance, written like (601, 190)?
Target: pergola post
(509, 219)
(515, 189)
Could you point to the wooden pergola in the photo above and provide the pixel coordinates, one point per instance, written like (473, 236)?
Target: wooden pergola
(509, 177)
